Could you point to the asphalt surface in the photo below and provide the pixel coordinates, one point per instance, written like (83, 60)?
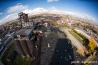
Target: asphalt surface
(63, 54)
(75, 42)
(56, 49)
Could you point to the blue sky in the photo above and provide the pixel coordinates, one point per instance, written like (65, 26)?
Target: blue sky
(89, 7)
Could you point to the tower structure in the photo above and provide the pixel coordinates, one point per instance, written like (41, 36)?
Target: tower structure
(23, 18)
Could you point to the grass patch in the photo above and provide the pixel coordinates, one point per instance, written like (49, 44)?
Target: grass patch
(76, 36)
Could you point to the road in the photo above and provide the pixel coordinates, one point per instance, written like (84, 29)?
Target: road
(56, 49)
(6, 43)
(63, 54)
(75, 42)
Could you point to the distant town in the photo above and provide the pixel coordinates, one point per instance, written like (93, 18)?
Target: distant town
(48, 39)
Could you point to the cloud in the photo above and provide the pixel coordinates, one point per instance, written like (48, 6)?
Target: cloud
(80, 15)
(52, 1)
(54, 10)
(34, 11)
(12, 12)
(16, 8)
(8, 18)
(39, 10)
(1, 13)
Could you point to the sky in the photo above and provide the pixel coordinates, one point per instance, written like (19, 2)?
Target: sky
(83, 8)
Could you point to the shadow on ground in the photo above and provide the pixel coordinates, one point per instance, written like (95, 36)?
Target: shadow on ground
(63, 54)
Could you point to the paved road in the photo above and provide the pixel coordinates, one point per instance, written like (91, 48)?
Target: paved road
(75, 42)
(6, 43)
(56, 49)
(63, 54)
(48, 47)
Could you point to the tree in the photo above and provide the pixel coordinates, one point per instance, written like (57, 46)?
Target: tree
(92, 45)
(22, 60)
